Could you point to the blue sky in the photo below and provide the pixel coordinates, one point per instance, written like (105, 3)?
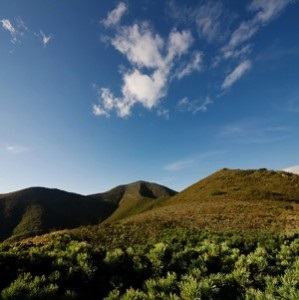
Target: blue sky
(94, 94)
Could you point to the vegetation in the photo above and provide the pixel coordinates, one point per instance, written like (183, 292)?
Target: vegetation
(233, 235)
(178, 264)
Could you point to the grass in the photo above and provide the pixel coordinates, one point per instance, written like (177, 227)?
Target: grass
(228, 200)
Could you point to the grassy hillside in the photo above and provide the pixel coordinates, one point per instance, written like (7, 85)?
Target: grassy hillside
(238, 200)
(228, 200)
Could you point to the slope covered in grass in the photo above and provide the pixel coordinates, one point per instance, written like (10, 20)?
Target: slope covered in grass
(230, 200)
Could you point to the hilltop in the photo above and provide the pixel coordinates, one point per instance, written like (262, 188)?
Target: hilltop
(135, 198)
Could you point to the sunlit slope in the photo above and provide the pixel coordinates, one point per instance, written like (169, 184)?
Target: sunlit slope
(231, 200)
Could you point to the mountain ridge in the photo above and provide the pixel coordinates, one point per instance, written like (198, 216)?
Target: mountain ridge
(37, 210)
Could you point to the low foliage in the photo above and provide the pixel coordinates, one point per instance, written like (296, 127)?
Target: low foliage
(177, 264)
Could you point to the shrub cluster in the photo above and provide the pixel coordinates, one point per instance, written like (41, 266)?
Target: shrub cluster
(181, 264)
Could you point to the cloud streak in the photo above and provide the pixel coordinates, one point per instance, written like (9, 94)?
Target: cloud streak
(16, 149)
(179, 165)
(114, 17)
(45, 38)
(265, 11)
(236, 74)
(186, 105)
(254, 133)
(16, 31)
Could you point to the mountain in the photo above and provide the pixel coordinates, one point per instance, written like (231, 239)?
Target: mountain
(39, 210)
(228, 200)
(294, 169)
(134, 198)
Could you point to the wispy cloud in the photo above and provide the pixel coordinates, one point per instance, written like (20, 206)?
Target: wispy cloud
(165, 113)
(265, 11)
(236, 74)
(19, 29)
(152, 59)
(179, 165)
(187, 105)
(114, 17)
(16, 149)
(45, 38)
(8, 26)
(254, 132)
(16, 31)
(195, 64)
(210, 18)
(192, 161)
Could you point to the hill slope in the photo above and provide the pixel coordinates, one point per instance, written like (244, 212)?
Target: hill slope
(39, 210)
(36, 210)
(238, 200)
(134, 198)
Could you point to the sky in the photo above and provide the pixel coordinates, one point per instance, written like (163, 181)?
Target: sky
(94, 94)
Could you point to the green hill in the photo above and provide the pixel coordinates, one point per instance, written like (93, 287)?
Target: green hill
(238, 200)
(135, 198)
(39, 210)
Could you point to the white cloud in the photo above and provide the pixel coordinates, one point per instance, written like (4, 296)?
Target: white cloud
(236, 74)
(238, 53)
(143, 88)
(179, 165)
(6, 24)
(208, 20)
(178, 44)
(99, 111)
(114, 17)
(186, 105)
(265, 11)
(194, 65)
(140, 46)
(163, 113)
(152, 59)
(16, 149)
(293, 169)
(45, 38)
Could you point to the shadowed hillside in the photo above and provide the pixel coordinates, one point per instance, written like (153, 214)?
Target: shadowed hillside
(38, 210)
